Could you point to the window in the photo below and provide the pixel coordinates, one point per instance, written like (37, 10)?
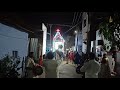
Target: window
(100, 42)
(15, 54)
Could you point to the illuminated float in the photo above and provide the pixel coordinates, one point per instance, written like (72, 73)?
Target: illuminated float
(58, 42)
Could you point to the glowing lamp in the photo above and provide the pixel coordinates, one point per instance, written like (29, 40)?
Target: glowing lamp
(110, 19)
(58, 30)
(75, 32)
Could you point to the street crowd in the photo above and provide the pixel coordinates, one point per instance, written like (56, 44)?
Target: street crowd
(88, 64)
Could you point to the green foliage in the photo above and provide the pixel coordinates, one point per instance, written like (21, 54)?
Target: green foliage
(108, 29)
(7, 66)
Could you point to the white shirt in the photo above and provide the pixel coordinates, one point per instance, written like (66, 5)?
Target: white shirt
(30, 62)
(50, 68)
(91, 69)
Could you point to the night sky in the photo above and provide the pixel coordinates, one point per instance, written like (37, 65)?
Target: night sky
(34, 20)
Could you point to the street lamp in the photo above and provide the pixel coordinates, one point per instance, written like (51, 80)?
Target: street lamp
(76, 40)
(75, 32)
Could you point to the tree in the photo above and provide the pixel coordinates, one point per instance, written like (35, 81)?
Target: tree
(110, 28)
(9, 67)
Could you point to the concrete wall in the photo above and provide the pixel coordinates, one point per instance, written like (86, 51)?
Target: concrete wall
(34, 47)
(85, 29)
(44, 29)
(12, 39)
(85, 17)
(98, 36)
(101, 37)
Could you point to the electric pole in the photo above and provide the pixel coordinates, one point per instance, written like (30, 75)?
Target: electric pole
(50, 36)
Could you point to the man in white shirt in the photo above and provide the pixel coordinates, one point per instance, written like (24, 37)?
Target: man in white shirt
(50, 66)
(91, 68)
(30, 65)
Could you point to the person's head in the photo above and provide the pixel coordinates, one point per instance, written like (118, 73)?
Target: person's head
(96, 58)
(86, 56)
(104, 55)
(44, 56)
(99, 55)
(91, 56)
(77, 53)
(38, 70)
(50, 55)
(30, 54)
(104, 61)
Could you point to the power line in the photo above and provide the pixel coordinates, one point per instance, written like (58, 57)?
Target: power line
(76, 17)
(79, 17)
(12, 37)
(73, 18)
(72, 27)
(61, 25)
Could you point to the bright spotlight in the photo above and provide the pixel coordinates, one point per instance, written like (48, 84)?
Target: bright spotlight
(75, 32)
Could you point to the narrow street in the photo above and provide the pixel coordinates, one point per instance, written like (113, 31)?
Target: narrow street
(68, 71)
(65, 71)
(27, 39)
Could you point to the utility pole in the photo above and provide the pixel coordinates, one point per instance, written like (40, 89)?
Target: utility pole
(50, 36)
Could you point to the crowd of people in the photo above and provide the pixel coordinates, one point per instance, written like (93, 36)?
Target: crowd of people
(89, 64)
(51, 62)
(92, 66)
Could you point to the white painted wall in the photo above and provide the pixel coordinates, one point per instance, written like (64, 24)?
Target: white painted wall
(91, 46)
(98, 36)
(12, 39)
(101, 37)
(84, 30)
(44, 28)
(85, 16)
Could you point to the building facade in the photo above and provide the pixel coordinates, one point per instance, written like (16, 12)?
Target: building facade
(13, 43)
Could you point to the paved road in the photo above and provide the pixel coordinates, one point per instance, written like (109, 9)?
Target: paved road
(67, 71)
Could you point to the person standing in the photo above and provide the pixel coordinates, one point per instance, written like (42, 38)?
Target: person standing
(91, 68)
(50, 66)
(71, 57)
(114, 56)
(57, 55)
(77, 59)
(105, 69)
(30, 65)
(67, 57)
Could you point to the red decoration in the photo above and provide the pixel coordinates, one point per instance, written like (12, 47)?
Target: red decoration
(58, 30)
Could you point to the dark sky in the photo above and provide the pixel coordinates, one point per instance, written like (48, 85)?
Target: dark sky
(36, 18)
(33, 20)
